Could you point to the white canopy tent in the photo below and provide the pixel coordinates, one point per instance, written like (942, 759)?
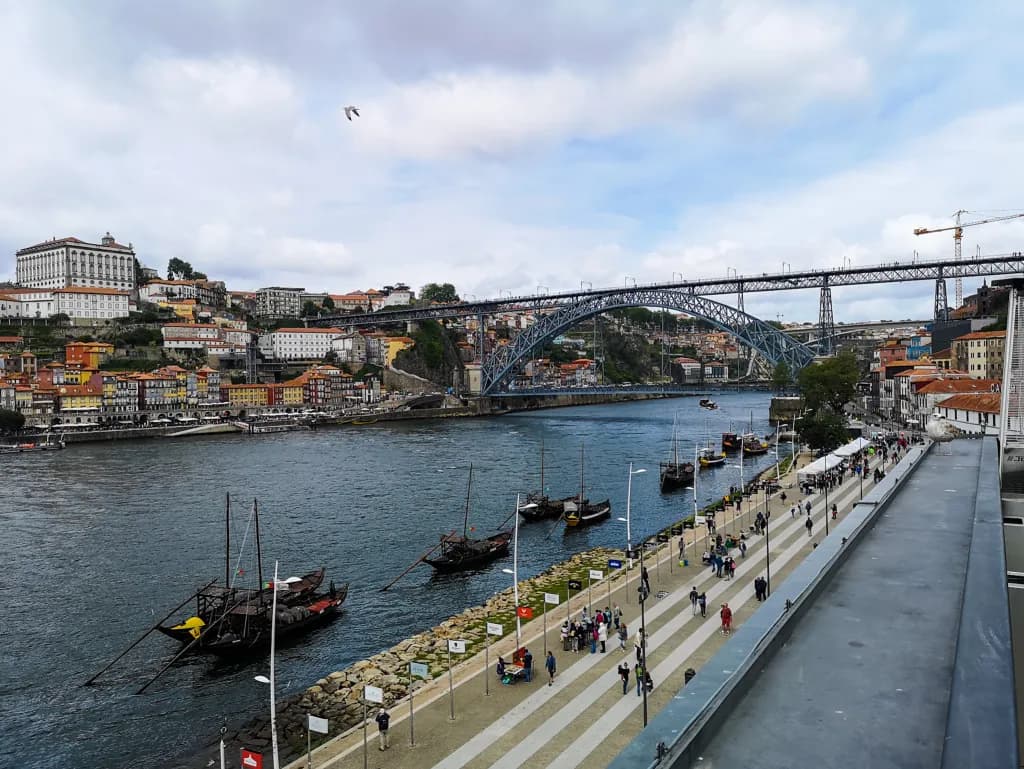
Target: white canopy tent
(819, 466)
(852, 447)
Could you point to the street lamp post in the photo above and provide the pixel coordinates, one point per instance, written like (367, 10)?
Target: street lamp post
(767, 558)
(514, 571)
(629, 536)
(828, 481)
(642, 592)
(270, 681)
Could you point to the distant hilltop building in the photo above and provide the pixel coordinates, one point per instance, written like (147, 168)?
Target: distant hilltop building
(72, 262)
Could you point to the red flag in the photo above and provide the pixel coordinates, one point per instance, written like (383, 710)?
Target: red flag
(524, 612)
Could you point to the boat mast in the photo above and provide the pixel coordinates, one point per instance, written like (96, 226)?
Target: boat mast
(581, 480)
(541, 465)
(259, 548)
(227, 540)
(465, 520)
(675, 442)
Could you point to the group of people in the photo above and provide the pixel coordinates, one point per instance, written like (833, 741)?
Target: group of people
(593, 630)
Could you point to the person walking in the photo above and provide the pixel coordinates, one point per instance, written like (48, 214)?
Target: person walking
(622, 636)
(835, 512)
(732, 567)
(743, 547)
(617, 615)
(638, 669)
(528, 665)
(383, 722)
(702, 601)
(809, 525)
(638, 644)
(602, 635)
(624, 675)
(792, 512)
(807, 507)
(593, 639)
(549, 663)
(694, 595)
(645, 580)
(726, 616)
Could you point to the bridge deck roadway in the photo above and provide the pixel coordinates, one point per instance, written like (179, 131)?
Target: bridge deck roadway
(866, 677)
(584, 719)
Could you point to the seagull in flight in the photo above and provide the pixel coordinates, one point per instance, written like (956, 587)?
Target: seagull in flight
(350, 111)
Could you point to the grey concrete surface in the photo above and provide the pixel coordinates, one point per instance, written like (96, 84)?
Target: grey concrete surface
(865, 678)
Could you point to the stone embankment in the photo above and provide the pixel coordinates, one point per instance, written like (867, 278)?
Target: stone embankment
(338, 695)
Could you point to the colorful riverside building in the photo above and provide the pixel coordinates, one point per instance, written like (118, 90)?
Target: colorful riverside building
(88, 354)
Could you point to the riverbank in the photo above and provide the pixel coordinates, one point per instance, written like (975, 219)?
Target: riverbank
(338, 695)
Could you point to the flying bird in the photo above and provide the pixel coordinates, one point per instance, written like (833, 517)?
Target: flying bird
(350, 111)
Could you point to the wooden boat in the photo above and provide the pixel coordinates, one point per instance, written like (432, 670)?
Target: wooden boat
(675, 474)
(538, 505)
(580, 511)
(230, 620)
(461, 552)
(708, 457)
(707, 403)
(752, 445)
(730, 443)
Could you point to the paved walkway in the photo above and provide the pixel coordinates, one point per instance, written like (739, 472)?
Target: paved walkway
(584, 716)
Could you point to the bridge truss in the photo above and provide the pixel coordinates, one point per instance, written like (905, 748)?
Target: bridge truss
(774, 345)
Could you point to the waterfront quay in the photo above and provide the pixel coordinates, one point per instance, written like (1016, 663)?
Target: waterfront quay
(584, 717)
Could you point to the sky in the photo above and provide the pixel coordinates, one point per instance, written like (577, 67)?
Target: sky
(517, 147)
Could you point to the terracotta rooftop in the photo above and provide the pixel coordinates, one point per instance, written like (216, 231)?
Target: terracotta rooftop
(960, 386)
(987, 403)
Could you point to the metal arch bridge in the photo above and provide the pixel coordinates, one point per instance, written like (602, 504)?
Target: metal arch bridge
(770, 342)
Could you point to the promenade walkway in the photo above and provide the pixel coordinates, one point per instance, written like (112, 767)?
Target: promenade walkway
(584, 718)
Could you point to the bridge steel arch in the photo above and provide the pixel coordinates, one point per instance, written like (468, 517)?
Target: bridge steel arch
(753, 332)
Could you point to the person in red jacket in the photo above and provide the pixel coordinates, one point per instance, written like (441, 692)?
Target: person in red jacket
(726, 615)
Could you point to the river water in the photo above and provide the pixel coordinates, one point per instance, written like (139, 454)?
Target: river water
(101, 540)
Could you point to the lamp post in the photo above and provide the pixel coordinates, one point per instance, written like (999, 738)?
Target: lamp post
(642, 592)
(828, 481)
(270, 681)
(514, 571)
(629, 537)
(767, 558)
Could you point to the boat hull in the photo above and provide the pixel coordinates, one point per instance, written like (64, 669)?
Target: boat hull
(676, 476)
(591, 514)
(497, 547)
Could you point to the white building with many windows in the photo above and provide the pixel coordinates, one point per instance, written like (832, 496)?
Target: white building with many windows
(77, 302)
(298, 343)
(73, 262)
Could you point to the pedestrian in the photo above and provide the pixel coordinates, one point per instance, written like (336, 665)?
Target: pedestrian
(645, 580)
(726, 615)
(694, 595)
(528, 665)
(617, 615)
(807, 507)
(732, 568)
(648, 682)
(809, 525)
(835, 512)
(703, 603)
(593, 638)
(743, 548)
(622, 636)
(624, 675)
(383, 722)
(638, 644)
(792, 511)
(782, 496)
(638, 669)
(719, 565)
(602, 635)
(549, 663)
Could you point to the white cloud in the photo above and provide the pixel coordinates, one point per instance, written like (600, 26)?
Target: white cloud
(718, 60)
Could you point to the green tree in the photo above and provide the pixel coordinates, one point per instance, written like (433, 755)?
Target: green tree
(60, 319)
(11, 421)
(328, 303)
(438, 292)
(178, 269)
(309, 309)
(782, 377)
(831, 383)
(823, 431)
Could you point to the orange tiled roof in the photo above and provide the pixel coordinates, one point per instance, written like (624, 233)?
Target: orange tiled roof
(987, 403)
(982, 335)
(960, 386)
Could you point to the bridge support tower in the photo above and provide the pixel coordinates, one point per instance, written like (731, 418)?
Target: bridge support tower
(826, 322)
(941, 306)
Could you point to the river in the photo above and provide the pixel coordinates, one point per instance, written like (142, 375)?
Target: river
(101, 540)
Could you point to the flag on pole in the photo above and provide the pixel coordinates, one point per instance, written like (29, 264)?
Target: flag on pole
(524, 612)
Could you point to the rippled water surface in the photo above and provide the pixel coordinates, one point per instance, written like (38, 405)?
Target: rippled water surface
(101, 540)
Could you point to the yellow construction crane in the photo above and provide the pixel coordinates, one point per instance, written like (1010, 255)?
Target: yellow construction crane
(958, 234)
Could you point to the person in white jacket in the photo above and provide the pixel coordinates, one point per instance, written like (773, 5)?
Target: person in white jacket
(602, 635)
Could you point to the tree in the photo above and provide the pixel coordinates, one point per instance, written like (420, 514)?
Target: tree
(11, 421)
(199, 275)
(831, 383)
(177, 269)
(825, 431)
(60, 319)
(328, 303)
(782, 377)
(309, 309)
(439, 293)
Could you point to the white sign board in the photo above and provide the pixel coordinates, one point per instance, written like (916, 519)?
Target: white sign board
(596, 574)
(373, 694)
(700, 520)
(457, 647)
(551, 598)
(317, 724)
(419, 670)
(493, 628)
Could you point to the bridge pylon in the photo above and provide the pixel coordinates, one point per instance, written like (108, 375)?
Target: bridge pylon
(941, 306)
(826, 322)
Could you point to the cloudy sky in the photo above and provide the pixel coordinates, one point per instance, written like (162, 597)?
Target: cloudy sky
(514, 145)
